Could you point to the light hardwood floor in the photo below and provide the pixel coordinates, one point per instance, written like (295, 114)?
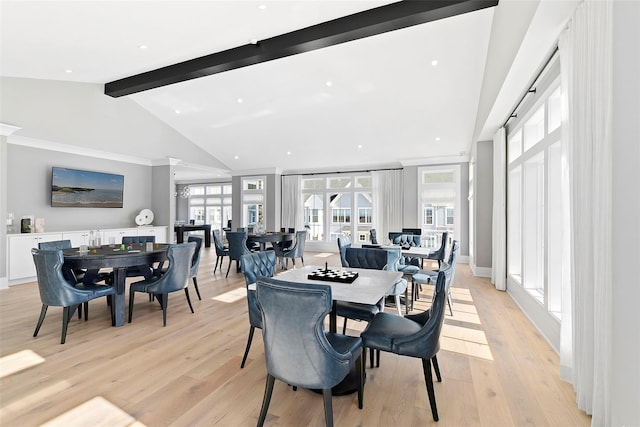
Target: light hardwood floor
(497, 369)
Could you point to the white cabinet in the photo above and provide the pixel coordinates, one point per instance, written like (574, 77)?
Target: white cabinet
(19, 252)
(78, 238)
(20, 262)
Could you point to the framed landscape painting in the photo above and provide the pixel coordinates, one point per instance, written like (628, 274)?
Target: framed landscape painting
(86, 189)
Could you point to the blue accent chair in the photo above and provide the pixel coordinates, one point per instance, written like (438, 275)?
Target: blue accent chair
(344, 242)
(58, 292)
(254, 266)
(292, 252)
(145, 271)
(430, 276)
(221, 250)
(413, 335)
(297, 349)
(439, 254)
(195, 262)
(175, 278)
(237, 247)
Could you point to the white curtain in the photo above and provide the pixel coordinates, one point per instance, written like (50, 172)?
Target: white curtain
(292, 215)
(585, 55)
(499, 224)
(388, 201)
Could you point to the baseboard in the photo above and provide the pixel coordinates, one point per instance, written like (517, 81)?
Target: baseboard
(480, 271)
(4, 283)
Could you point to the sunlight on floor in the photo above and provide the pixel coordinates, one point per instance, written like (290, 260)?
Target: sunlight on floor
(323, 255)
(18, 361)
(95, 412)
(232, 296)
(35, 398)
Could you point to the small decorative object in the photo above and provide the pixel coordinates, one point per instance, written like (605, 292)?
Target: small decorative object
(145, 217)
(185, 193)
(27, 224)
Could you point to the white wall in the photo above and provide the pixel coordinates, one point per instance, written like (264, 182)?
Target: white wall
(625, 387)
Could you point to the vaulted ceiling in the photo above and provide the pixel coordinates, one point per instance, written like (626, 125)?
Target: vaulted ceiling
(414, 95)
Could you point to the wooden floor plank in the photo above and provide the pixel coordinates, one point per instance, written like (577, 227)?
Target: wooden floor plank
(497, 370)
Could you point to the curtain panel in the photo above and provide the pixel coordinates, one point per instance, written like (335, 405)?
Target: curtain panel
(292, 215)
(585, 61)
(388, 201)
(499, 223)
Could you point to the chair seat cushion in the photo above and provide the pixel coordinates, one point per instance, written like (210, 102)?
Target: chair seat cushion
(408, 269)
(385, 328)
(423, 277)
(344, 344)
(352, 310)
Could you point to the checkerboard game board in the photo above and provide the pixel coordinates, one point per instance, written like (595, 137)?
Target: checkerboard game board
(328, 275)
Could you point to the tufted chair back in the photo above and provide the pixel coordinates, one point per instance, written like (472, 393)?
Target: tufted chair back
(195, 261)
(254, 266)
(54, 289)
(237, 244)
(344, 242)
(176, 277)
(138, 239)
(297, 250)
(374, 259)
(217, 241)
(406, 239)
(296, 348)
(56, 244)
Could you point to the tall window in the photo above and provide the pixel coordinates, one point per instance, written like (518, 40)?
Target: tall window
(210, 204)
(534, 200)
(253, 197)
(338, 205)
(438, 189)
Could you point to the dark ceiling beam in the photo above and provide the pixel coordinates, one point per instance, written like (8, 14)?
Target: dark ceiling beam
(367, 23)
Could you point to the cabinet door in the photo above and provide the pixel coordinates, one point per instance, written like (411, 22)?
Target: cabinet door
(77, 238)
(159, 232)
(114, 236)
(20, 260)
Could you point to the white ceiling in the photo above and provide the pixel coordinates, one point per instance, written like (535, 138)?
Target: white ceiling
(386, 104)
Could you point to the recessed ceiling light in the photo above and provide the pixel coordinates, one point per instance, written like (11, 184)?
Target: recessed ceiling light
(236, 157)
(253, 41)
(239, 100)
(434, 62)
(262, 7)
(288, 153)
(68, 71)
(177, 111)
(359, 145)
(142, 46)
(329, 83)
(437, 138)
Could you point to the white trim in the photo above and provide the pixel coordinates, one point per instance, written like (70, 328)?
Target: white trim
(253, 172)
(4, 283)
(6, 129)
(480, 271)
(441, 160)
(73, 149)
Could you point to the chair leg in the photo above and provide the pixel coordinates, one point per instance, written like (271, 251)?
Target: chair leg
(186, 292)
(195, 285)
(216, 266)
(377, 358)
(65, 322)
(371, 357)
(228, 268)
(344, 327)
(302, 260)
(246, 350)
(397, 298)
(360, 362)
(131, 297)
(86, 310)
(436, 368)
(450, 303)
(43, 312)
(328, 407)
(79, 311)
(266, 400)
(165, 300)
(426, 368)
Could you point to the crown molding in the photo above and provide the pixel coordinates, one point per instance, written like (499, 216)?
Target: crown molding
(440, 160)
(7, 129)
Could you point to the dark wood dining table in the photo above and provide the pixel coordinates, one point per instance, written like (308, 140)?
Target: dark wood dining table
(181, 228)
(117, 259)
(273, 237)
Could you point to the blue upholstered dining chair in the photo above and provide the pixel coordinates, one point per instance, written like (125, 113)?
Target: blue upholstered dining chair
(293, 252)
(254, 266)
(175, 278)
(145, 271)
(195, 262)
(430, 276)
(237, 247)
(439, 254)
(297, 349)
(344, 242)
(413, 335)
(56, 291)
(221, 250)
(375, 259)
(89, 277)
